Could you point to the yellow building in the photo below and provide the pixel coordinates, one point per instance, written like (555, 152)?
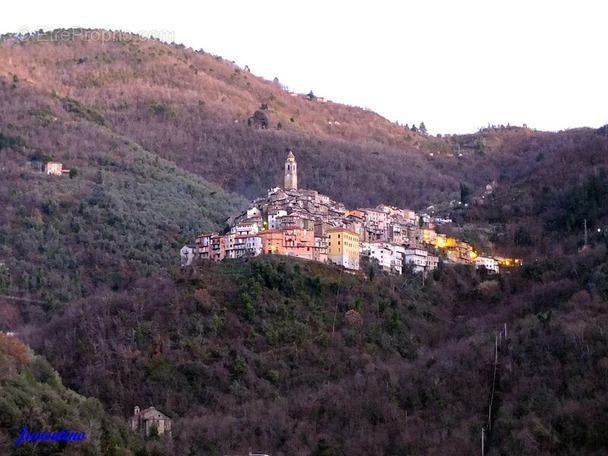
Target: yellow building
(343, 247)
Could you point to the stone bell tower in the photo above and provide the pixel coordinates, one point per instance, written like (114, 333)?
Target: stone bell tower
(291, 172)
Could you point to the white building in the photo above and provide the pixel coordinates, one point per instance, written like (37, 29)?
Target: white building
(490, 263)
(187, 254)
(245, 228)
(253, 212)
(380, 252)
(273, 216)
(243, 245)
(419, 259)
(377, 218)
(253, 244)
(390, 256)
(442, 220)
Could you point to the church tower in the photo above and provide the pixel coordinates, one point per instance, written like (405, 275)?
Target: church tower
(291, 172)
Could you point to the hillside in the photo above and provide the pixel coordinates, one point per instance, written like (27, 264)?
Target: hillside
(121, 73)
(556, 182)
(122, 213)
(192, 108)
(272, 354)
(291, 357)
(33, 397)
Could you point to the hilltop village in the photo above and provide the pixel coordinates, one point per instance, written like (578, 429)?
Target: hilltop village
(306, 224)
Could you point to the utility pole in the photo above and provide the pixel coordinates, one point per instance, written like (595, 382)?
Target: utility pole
(493, 384)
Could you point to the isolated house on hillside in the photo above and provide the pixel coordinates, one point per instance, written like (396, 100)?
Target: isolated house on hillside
(489, 263)
(53, 168)
(148, 419)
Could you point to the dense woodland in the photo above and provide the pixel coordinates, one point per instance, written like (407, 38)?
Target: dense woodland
(294, 357)
(270, 354)
(562, 181)
(120, 214)
(33, 396)
(193, 108)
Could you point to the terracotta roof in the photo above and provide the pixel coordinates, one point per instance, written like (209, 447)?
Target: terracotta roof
(151, 411)
(339, 228)
(207, 235)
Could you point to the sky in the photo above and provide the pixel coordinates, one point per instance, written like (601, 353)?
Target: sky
(456, 65)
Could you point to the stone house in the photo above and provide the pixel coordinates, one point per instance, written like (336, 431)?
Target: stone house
(148, 419)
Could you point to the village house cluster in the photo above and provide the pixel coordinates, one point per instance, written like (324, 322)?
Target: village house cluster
(306, 224)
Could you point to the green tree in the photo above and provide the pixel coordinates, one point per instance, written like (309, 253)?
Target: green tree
(5, 277)
(153, 435)
(259, 120)
(440, 270)
(324, 449)
(522, 236)
(465, 193)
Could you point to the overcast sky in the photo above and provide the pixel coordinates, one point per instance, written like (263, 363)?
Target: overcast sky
(456, 65)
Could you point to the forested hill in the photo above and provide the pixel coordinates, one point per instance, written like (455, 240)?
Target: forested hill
(137, 120)
(212, 118)
(292, 357)
(121, 213)
(193, 108)
(32, 396)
